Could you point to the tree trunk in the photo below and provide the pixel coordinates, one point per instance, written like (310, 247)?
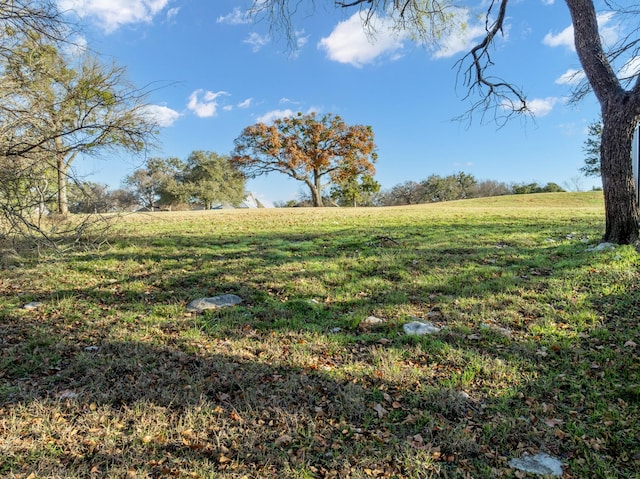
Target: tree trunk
(620, 200)
(316, 189)
(316, 197)
(63, 202)
(620, 113)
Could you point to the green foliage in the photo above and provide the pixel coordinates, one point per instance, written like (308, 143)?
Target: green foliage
(211, 180)
(156, 183)
(69, 107)
(205, 179)
(523, 189)
(591, 149)
(453, 187)
(355, 191)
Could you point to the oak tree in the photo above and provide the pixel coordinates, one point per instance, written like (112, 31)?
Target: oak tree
(317, 151)
(211, 180)
(155, 184)
(619, 98)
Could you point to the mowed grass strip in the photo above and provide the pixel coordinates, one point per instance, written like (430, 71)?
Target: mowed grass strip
(112, 377)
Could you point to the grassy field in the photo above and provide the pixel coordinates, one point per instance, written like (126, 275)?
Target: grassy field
(539, 351)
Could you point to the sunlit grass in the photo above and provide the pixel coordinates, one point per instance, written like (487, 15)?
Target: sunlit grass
(112, 377)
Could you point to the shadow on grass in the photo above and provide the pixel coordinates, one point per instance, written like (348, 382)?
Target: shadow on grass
(112, 378)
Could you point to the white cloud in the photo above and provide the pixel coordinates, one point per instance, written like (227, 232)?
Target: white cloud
(537, 106)
(301, 39)
(76, 46)
(203, 103)
(112, 14)
(608, 34)
(349, 43)
(542, 106)
(257, 41)
(274, 115)
(172, 13)
(460, 36)
(630, 69)
(570, 77)
(162, 115)
(564, 38)
(285, 100)
(236, 17)
(246, 103)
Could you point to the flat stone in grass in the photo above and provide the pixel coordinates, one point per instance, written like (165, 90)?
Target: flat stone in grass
(602, 247)
(32, 305)
(541, 463)
(215, 302)
(418, 328)
(371, 322)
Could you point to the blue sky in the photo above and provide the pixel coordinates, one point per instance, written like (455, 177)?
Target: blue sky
(213, 71)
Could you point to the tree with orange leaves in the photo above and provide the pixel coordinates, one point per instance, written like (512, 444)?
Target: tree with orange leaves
(318, 151)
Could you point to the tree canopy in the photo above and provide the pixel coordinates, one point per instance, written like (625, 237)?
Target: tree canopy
(205, 180)
(73, 106)
(57, 105)
(317, 151)
(210, 180)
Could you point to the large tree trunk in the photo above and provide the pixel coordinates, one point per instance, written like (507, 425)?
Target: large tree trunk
(316, 197)
(620, 198)
(620, 113)
(316, 189)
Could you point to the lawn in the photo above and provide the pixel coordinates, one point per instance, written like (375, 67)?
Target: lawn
(111, 376)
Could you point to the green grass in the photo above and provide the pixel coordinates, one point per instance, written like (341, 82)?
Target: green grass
(112, 377)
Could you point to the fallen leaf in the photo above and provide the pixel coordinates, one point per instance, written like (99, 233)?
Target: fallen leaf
(67, 394)
(382, 412)
(553, 422)
(630, 344)
(283, 440)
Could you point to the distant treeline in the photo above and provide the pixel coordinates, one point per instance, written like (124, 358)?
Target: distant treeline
(438, 188)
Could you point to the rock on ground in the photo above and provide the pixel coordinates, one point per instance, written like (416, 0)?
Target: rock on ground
(539, 464)
(419, 329)
(371, 322)
(214, 302)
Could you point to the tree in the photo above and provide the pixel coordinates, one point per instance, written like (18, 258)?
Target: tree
(315, 151)
(486, 188)
(211, 179)
(407, 193)
(525, 189)
(123, 200)
(83, 109)
(552, 187)
(591, 149)
(355, 191)
(619, 99)
(453, 187)
(20, 18)
(89, 197)
(156, 184)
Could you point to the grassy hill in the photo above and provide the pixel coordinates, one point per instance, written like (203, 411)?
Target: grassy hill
(112, 377)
